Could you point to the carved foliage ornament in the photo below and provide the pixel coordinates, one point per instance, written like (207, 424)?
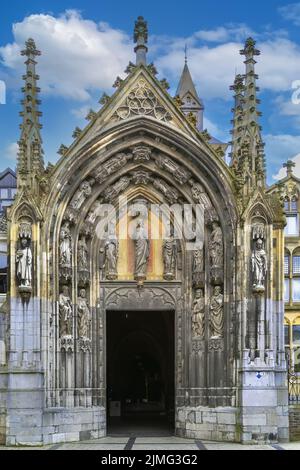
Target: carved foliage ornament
(141, 101)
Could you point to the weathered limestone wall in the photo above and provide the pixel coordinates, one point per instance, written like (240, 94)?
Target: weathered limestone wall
(215, 424)
(294, 420)
(33, 426)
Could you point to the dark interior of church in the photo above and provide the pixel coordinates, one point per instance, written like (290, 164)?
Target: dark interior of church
(140, 371)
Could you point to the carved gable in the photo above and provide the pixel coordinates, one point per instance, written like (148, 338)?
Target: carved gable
(142, 101)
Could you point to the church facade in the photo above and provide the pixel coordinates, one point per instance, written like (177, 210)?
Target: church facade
(101, 271)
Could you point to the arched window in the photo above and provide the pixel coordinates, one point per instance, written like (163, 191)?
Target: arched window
(296, 276)
(3, 270)
(287, 272)
(294, 204)
(286, 204)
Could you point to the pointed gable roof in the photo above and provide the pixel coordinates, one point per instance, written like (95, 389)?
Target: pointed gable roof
(186, 85)
(139, 95)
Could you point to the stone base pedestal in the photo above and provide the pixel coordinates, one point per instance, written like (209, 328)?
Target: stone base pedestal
(264, 406)
(212, 424)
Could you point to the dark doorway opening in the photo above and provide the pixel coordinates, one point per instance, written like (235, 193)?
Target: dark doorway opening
(140, 372)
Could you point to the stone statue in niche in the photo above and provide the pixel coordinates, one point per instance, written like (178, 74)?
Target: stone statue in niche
(198, 262)
(83, 261)
(169, 258)
(198, 268)
(216, 254)
(24, 257)
(216, 251)
(216, 317)
(83, 192)
(259, 265)
(142, 250)
(83, 315)
(198, 315)
(111, 258)
(65, 259)
(65, 313)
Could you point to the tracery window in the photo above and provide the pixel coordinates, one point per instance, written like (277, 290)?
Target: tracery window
(287, 270)
(296, 276)
(292, 219)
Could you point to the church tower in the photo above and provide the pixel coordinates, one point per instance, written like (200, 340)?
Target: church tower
(191, 103)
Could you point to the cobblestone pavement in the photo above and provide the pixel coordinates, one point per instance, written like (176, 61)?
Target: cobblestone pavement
(169, 443)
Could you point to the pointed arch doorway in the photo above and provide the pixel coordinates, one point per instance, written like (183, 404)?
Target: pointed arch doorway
(140, 372)
(140, 361)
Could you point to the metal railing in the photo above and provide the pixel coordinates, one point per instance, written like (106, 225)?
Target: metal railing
(294, 388)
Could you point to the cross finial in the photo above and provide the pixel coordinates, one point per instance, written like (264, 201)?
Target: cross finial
(289, 165)
(185, 54)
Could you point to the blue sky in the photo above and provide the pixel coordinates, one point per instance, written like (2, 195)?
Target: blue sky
(85, 45)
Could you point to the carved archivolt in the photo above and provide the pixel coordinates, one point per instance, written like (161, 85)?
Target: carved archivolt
(111, 166)
(178, 172)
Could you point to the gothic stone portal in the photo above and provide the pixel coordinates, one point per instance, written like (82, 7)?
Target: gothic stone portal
(227, 294)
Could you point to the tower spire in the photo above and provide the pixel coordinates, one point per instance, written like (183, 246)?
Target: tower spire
(237, 121)
(141, 38)
(186, 91)
(249, 153)
(30, 156)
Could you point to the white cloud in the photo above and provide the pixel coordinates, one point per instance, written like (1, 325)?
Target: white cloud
(214, 130)
(78, 55)
(279, 149)
(11, 152)
(81, 112)
(291, 12)
(296, 170)
(213, 68)
(237, 32)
